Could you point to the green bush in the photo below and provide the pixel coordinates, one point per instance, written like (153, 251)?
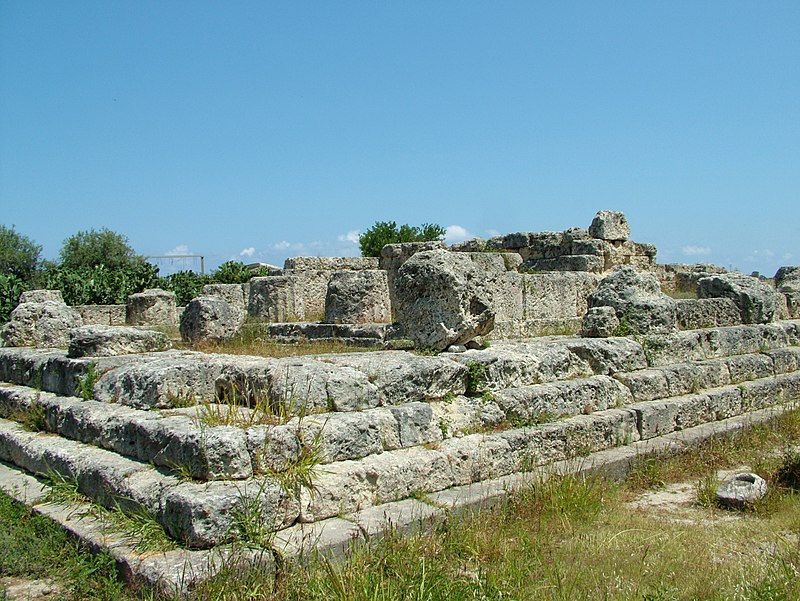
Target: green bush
(100, 285)
(11, 287)
(236, 272)
(382, 233)
(19, 255)
(92, 248)
(185, 284)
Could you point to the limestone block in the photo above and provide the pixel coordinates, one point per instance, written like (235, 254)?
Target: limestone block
(331, 263)
(637, 300)
(153, 307)
(464, 414)
(645, 384)
(785, 360)
(416, 424)
(706, 313)
(587, 263)
(358, 297)
(478, 457)
(610, 225)
(233, 294)
(655, 418)
(342, 487)
(41, 296)
(600, 322)
(749, 367)
(556, 295)
(401, 377)
(394, 255)
(665, 349)
(741, 490)
(548, 401)
(102, 315)
(209, 319)
(342, 436)
(724, 402)
(44, 323)
(787, 282)
(755, 300)
(203, 515)
(446, 298)
(734, 340)
(277, 298)
(608, 356)
(106, 341)
(397, 474)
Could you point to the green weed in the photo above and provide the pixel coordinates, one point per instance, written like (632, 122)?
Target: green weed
(86, 382)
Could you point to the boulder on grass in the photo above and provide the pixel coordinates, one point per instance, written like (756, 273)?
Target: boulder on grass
(446, 298)
(756, 301)
(637, 300)
(41, 319)
(209, 319)
(109, 341)
(741, 490)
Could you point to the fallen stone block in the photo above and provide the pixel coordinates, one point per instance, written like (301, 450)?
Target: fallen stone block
(108, 341)
(153, 307)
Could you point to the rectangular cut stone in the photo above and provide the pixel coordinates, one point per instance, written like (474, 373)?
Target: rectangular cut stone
(655, 418)
(749, 367)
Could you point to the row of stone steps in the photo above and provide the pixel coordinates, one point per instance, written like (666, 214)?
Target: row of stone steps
(405, 428)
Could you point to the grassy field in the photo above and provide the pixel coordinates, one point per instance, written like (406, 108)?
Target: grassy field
(567, 538)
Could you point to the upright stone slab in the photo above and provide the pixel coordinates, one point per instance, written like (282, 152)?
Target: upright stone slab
(41, 319)
(153, 307)
(358, 297)
(446, 298)
(787, 282)
(233, 294)
(209, 319)
(610, 225)
(277, 298)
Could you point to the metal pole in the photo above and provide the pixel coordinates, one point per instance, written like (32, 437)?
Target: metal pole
(202, 265)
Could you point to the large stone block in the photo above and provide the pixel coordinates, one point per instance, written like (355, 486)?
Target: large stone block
(610, 225)
(787, 282)
(698, 313)
(41, 319)
(210, 319)
(108, 341)
(637, 299)
(756, 301)
(154, 307)
(358, 297)
(233, 294)
(446, 298)
(277, 298)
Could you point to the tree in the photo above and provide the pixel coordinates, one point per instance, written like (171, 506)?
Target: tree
(19, 255)
(104, 247)
(382, 233)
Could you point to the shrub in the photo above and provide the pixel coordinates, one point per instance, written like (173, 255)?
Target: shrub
(100, 285)
(382, 233)
(11, 287)
(185, 284)
(104, 247)
(19, 255)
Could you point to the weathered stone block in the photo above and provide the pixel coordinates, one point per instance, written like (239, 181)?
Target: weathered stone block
(693, 314)
(209, 319)
(277, 298)
(154, 307)
(610, 225)
(358, 297)
(107, 341)
(755, 300)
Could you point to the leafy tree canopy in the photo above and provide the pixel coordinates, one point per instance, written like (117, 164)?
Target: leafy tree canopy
(386, 232)
(19, 255)
(103, 247)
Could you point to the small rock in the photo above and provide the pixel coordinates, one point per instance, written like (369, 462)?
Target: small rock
(456, 348)
(742, 490)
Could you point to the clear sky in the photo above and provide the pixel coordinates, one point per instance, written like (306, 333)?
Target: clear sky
(257, 130)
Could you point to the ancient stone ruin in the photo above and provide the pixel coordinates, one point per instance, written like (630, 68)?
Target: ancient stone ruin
(330, 449)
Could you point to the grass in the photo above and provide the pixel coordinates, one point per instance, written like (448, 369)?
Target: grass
(564, 537)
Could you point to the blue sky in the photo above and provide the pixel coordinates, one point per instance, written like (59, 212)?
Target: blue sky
(260, 130)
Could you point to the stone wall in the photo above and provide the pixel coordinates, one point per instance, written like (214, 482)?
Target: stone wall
(102, 315)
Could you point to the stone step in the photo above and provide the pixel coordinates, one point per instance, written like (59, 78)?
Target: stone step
(199, 515)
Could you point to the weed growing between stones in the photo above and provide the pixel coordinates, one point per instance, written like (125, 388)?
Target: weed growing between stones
(250, 525)
(706, 491)
(476, 378)
(302, 470)
(247, 410)
(625, 328)
(32, 418)
(86, 382)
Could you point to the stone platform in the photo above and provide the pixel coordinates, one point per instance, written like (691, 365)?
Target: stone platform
(331, 448)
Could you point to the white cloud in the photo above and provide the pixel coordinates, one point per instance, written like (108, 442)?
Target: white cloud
(247, 252)
(492, 233)
(764, 253)
(696, 250)
(787, 257)
(181, 249)
(456, 233)
(351, 236)
(284, 245)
